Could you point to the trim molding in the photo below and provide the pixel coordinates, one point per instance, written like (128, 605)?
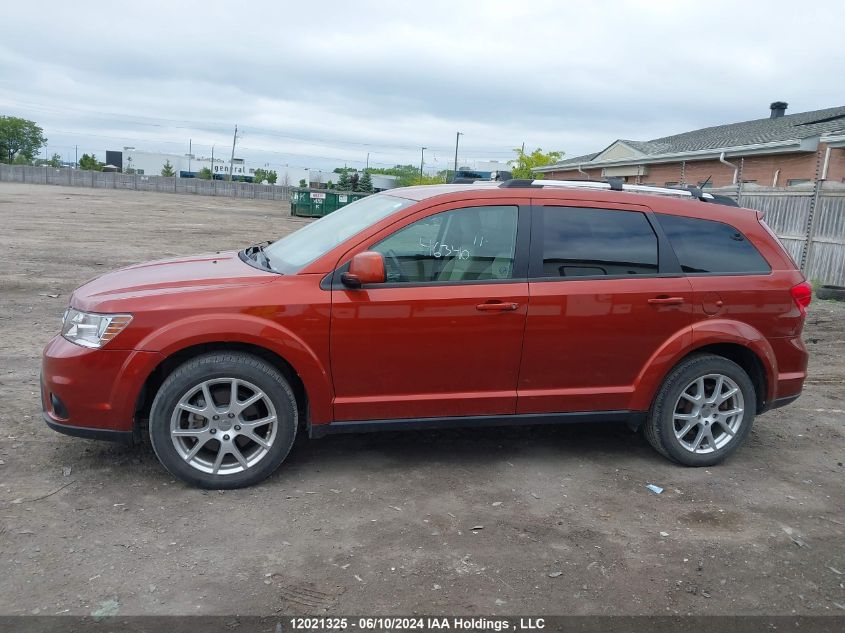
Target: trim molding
(632, 418)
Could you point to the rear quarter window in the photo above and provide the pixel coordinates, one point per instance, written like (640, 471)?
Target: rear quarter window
(707, 246)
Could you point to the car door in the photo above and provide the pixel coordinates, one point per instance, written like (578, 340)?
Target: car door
(442, 337)
(606, 295)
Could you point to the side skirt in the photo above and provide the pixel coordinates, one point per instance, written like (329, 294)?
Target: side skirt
(632, 418)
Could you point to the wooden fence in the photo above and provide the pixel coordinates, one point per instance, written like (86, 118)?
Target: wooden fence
(808, 219)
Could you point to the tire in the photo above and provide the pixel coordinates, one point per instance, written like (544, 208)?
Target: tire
(837, 293)
(254, 436)
(674, 408)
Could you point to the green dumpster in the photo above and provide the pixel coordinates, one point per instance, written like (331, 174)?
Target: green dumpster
(315, 203)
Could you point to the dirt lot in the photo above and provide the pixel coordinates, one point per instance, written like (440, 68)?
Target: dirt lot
(384, 523)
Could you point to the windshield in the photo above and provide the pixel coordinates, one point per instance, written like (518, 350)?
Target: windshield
(293, 252)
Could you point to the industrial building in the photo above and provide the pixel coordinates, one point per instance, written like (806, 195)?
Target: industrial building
(141, 162)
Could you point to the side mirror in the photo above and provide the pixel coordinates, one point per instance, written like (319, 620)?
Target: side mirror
(365, 268)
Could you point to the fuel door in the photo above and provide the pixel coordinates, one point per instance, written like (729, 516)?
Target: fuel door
(711, 303)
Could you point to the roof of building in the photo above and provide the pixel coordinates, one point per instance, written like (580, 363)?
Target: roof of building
(756, 136)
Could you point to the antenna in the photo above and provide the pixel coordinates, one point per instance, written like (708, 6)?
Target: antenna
(704, 184)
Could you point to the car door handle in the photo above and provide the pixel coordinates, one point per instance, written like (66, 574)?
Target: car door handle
(497, 307)
(666, 301)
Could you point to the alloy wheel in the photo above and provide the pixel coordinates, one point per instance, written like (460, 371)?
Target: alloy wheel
(223, 426)
(708, 413)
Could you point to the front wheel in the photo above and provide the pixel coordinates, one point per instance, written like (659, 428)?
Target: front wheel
(702, 412)
(223, 420)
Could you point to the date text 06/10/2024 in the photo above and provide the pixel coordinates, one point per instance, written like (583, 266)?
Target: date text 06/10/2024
(416, 624)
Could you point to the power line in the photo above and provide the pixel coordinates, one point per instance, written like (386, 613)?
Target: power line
(195, 125)
(467, 155)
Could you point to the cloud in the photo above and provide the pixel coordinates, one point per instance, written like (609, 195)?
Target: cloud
(317, 84)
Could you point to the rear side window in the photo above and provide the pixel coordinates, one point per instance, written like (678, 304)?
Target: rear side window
(579, 242)
(706, 246)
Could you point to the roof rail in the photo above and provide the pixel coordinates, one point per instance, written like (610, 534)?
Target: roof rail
(615, 184)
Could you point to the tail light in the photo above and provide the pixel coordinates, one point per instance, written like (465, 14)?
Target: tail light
(802, 294)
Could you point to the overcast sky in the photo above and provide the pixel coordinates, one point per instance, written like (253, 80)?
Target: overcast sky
(319, 84)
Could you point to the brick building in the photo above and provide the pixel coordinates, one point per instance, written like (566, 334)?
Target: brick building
(780, 150)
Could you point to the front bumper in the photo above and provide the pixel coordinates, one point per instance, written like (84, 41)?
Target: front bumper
(93, 393)
(122, 437)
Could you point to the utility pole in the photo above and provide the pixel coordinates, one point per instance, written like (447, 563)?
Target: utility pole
(232, 159)
(368, 162)
(189, 155)
(212, 162)
(76, 149)
(457, 138)
(422, 159)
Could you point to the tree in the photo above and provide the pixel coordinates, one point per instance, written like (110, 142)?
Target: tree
(407, 175)
(366, 183)
(204, 174)
(55, 161)
(167, 170)
(261, 175)
(90, 162)
(353, 182)
(302, 183)
(19, 139)
(343, 182)
(524, 163)
(329, 185)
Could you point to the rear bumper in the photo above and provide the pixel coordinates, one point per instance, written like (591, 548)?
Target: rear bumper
(92, 392)
(792, 358)
(782, 402)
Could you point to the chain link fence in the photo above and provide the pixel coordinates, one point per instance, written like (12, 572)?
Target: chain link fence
(162, 184)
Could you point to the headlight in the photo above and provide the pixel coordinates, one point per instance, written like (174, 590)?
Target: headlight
(92, 330)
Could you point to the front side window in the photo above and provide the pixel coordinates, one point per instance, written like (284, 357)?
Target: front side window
(471, 244)
(579, 242)
(706, 246)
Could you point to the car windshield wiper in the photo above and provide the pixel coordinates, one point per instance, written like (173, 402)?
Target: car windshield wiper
(256, 252)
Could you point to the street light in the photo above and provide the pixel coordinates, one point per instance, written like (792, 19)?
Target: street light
(422, 159)
(457, 138)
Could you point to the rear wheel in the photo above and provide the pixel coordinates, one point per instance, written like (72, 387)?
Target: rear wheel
(223, 420)
(703, 411)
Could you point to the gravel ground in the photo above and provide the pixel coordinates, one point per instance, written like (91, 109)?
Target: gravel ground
(533, 520)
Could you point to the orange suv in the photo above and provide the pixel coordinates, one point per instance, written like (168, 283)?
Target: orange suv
(523, 302)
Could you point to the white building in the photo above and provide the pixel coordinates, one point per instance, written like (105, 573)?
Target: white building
(189, 166)
(491, 165)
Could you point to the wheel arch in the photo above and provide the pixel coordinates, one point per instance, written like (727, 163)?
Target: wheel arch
(745, 358)
(169, 363)
(738, 342)
(284, 350)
